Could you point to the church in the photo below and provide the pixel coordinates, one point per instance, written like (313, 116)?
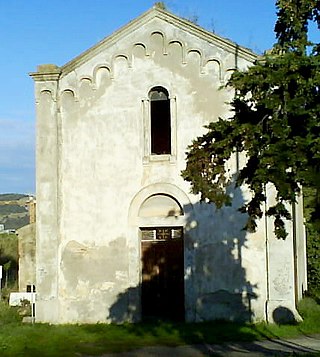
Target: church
(119, 235)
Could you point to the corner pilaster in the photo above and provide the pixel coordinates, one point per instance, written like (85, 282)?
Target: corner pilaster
(47, 192)
(281, 302)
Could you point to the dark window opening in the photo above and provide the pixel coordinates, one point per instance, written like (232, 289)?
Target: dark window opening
(31, 289)
(160, 121)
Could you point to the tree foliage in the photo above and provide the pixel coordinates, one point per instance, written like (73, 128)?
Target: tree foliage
(311, 206)
(9, 257)
(275, 123)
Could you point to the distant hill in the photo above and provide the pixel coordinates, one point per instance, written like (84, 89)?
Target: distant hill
(14, 212)
(12, 196)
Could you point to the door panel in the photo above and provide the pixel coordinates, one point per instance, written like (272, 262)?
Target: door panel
(163, 276)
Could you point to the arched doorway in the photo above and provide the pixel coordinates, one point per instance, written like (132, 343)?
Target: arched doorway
(162, 259)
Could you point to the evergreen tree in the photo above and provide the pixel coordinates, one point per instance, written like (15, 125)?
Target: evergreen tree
(275, 122)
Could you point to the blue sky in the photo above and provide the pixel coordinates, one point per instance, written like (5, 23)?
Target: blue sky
(35, 32)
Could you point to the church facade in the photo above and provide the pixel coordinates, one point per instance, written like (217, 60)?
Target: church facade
(119, 235)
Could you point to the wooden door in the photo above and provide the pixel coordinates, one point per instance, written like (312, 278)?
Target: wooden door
(162, 290)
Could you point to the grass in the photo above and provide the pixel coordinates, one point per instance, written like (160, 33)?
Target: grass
(17, 339)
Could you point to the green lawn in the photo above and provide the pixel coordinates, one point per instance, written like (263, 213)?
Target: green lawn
(17, 339)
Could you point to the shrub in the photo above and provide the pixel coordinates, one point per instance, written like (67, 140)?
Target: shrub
(8, 314)
(308, 308)
(310, 312)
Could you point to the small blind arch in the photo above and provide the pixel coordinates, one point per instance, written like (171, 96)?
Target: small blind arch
(160, 121)
(160, 205)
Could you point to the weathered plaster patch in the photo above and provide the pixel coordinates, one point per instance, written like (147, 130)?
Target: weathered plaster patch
(94, 266)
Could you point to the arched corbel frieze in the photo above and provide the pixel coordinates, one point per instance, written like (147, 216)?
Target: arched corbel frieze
(175, 46)
(216, 65)
(227, 74)
(195, 57)
(70, 91)
(122, 57)
(158, 38)
(86, 87)
(101, 74)
(139, 50)
(45, 93)
(67, 99)
(120, 63)
(87, 79)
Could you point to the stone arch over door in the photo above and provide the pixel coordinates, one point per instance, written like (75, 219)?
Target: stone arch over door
(158, 188)
(157, 217)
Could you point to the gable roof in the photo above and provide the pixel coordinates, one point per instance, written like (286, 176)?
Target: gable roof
(154, 12)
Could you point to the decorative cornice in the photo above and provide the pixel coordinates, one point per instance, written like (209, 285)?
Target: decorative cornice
(46, 72)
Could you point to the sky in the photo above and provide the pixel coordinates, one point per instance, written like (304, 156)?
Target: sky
(36, 32)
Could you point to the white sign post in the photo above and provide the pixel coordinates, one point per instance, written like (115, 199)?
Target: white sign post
(0, 279)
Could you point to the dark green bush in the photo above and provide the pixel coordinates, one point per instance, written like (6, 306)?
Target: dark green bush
(312, 215)
(310, 312)
(8, 314)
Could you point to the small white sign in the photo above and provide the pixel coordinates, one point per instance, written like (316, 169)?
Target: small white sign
(16, 298)
(0, 272)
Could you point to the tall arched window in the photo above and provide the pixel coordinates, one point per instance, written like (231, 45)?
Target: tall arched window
(160, 121)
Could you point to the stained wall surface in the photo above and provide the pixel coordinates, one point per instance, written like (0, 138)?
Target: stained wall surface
(27, 257)
(96, 174)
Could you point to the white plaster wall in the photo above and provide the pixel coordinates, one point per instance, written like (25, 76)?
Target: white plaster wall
(100, 145)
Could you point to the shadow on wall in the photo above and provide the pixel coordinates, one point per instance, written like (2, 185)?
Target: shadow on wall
(284, 316)
(199, 276)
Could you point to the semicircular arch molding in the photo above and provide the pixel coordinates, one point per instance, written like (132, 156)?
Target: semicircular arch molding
(45, 93)
(194, 57)
(164, 86)
(228, 73)
(159, 189)
(158, 37)
(100, 73)
(121, 57)
(69, 91)
(86, 78)
(215, 65)
(160, 205)
(178, 49)
(139, 49)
